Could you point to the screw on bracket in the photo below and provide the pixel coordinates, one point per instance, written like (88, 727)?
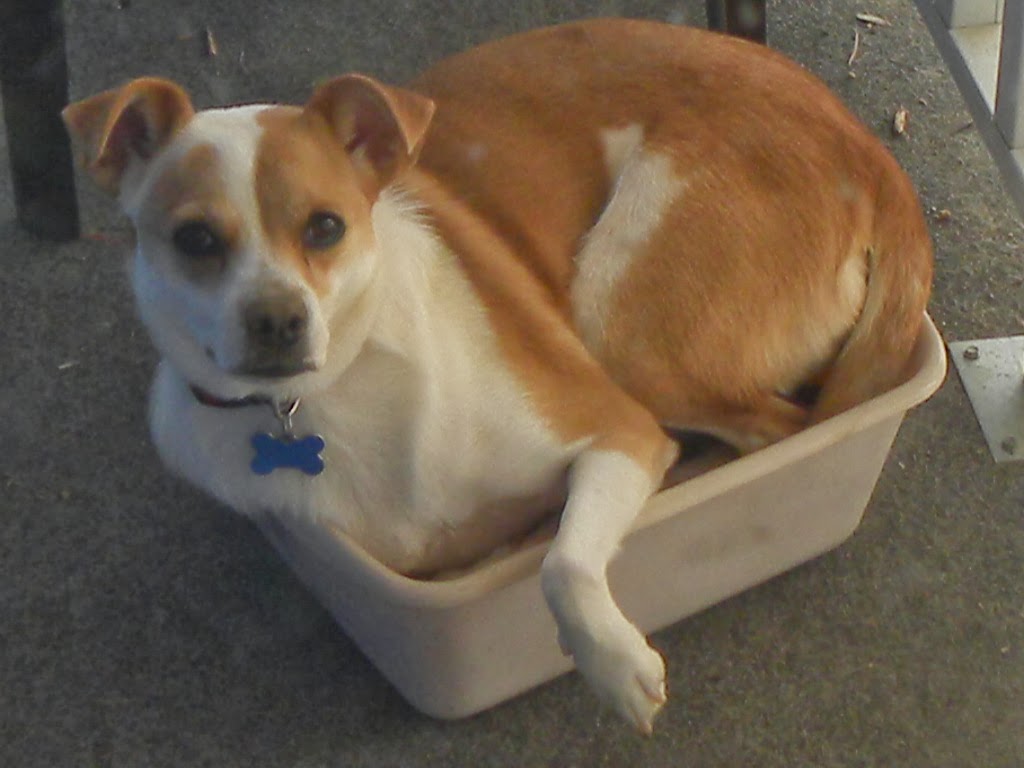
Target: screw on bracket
(1009, 445)
(971, 352)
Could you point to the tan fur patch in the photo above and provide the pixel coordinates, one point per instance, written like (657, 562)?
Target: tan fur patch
(301, 169)
(709, 321)
(139, 118)
(191, 188)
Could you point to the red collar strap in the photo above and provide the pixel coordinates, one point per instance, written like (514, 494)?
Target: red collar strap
(212, 401)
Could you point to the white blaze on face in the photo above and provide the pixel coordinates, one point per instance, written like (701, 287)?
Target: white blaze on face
(235, 135)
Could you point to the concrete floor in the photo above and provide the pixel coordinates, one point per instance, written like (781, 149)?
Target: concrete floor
(143, 625)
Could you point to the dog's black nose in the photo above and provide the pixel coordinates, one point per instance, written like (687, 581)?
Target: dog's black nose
(276, 323)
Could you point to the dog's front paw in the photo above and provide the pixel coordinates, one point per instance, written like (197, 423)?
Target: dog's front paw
(624, 671)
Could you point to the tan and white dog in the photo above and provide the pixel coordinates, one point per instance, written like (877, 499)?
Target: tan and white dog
(471, 300)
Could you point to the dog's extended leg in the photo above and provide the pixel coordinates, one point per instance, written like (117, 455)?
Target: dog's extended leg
(607, 488)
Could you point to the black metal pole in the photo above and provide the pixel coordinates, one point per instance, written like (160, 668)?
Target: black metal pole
(745, 18)
(716, 14)
(34, 89)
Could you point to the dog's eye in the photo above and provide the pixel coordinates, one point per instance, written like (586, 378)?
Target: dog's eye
(196, 240)
(322, 230)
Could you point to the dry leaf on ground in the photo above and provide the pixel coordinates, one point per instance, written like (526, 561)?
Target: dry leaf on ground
(899, 121)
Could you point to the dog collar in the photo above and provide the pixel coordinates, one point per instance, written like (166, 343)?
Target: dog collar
(284, 452)
(212, 401)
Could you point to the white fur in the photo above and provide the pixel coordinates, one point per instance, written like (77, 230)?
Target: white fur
(606, 490)
(620, 144)
(852, 283)
(430, 439)
(644, 190)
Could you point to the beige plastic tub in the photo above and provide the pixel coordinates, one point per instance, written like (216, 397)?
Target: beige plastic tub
(456, 647)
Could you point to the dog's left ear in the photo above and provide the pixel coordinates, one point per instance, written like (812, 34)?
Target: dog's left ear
(381, 127)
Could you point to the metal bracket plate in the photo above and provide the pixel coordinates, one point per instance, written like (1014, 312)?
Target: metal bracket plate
(992, 371)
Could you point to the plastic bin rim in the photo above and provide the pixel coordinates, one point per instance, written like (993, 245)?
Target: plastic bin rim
(385, 584)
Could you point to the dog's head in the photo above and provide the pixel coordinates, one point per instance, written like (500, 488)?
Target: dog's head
(256, 254)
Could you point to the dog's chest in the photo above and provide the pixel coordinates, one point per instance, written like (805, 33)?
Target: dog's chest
(424, 468)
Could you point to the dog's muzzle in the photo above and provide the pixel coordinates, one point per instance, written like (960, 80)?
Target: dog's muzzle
(276, 338)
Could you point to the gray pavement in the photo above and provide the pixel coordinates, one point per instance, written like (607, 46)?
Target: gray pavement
(143, 625)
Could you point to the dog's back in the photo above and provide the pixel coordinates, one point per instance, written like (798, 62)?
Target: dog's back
(711, 217)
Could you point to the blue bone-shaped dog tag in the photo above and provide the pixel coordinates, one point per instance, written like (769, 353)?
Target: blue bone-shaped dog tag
(277, 453)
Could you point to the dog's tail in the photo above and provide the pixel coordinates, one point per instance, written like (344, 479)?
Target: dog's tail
(875, 356)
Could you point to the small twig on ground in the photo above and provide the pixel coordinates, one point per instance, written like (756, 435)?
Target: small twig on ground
(211, 43)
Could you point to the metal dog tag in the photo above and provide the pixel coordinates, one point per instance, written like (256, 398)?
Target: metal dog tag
(287, 451)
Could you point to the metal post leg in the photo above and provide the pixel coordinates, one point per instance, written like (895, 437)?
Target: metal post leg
(34, 88)
(745, 18)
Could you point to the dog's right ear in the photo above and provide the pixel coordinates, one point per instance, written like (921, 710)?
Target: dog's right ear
(116, 128)
(382, 127)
